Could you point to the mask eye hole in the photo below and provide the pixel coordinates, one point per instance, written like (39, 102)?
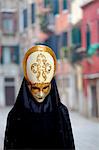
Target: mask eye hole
(45, 87)
(34, 88)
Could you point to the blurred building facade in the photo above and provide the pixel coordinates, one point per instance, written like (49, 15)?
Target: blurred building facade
(27, 26)
(90, 42)
(65, 74)
(9, 52)
(46, 22)
(69, 33)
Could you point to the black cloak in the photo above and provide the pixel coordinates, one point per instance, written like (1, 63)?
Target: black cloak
(33, 125)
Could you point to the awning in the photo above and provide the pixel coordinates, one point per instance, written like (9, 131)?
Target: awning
(92, 49)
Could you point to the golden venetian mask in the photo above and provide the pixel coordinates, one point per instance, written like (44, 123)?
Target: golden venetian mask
(39, 65)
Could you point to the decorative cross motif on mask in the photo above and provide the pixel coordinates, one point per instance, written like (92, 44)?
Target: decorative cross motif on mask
(41, 67)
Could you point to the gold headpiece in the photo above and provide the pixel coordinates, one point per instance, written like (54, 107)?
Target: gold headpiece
(39, 64)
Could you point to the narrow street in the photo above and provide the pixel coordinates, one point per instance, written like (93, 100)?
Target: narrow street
(3, 115)
(86, 132)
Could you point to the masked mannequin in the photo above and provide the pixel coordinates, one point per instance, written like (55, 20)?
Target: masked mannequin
(39, 68)
(38, 120)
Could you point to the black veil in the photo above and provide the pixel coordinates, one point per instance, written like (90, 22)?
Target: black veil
(26, 100)
(53, 120)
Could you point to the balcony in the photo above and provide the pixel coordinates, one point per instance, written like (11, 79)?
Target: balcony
(47, 23)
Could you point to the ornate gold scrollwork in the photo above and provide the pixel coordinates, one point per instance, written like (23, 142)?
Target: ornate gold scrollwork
(41, 67)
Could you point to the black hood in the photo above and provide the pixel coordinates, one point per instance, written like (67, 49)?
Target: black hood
(26, 100)
(33, 125)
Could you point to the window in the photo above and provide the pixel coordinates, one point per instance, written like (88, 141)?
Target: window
(65, 4)
(47, 3)
(8, 23)
(88, 36)
(10, 55)
(53, 4)
(21, 28)
(0, 54)
(9, 79)
(6, 55)
(25, 21)
(76, 35)
(33, 12)
(64, 39)
(98, 30)
(55, 7)
(15, 54)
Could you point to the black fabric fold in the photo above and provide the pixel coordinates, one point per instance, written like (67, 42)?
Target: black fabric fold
(33, 125)
(26, 99)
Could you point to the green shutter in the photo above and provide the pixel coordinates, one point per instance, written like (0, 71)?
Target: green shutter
(56, 7)
(76, 36)
(46, 3)
(88, 40)
(88, 34)
(64, 4)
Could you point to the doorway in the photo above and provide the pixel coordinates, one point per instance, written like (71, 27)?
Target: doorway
(94, 101)
(9, 91)
(9, 95)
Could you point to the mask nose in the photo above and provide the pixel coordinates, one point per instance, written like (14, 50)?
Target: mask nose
(41, 93)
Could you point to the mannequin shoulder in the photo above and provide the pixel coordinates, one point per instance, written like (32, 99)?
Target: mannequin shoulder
(13, 115)
(63, 109)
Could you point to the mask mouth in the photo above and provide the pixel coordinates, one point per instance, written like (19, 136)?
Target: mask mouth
(39, 97)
